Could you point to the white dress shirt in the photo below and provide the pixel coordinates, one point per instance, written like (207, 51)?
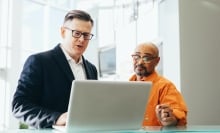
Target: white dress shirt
(77, 68)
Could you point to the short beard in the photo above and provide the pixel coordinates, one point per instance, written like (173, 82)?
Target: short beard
(143, 73)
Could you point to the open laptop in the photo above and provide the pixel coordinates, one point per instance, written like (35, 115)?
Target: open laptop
(106, 105)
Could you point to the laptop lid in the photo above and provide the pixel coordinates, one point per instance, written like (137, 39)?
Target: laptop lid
(107, 105)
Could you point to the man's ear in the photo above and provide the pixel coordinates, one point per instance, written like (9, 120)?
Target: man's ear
(157, 61)
(62, 32)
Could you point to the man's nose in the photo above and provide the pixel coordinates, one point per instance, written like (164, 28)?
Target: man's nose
(81, 38)
(140, 61)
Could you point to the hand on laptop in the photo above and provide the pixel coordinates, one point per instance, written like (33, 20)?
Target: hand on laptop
(165, 115)
(61, 121)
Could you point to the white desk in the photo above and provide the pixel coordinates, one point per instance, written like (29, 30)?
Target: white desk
(214, 128)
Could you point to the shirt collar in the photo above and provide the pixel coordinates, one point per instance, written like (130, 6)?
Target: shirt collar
(151, 77)
(70, 58)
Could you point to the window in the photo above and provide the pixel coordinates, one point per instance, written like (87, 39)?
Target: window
(107, 61)
(4, 63)
(29, 27)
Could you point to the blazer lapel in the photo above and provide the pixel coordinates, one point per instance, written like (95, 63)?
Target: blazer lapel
(89, 73)
(62, 62)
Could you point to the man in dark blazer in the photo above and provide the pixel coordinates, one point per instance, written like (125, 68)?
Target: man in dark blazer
(43, 91)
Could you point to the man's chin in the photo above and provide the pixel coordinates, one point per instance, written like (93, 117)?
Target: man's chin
(142, 74)
(139, 74)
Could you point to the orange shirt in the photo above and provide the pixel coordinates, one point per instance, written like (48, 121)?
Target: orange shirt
(163, 92)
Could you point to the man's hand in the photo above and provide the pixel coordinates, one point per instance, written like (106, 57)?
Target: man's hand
(61, 121)
(165, 115)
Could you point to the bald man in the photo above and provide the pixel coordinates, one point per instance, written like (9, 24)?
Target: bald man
(166, 106)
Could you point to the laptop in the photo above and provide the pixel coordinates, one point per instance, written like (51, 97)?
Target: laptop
(96, 105)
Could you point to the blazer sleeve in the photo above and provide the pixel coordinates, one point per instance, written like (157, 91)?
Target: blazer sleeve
(25, 103)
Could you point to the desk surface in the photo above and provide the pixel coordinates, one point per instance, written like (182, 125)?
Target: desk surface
(213, 128)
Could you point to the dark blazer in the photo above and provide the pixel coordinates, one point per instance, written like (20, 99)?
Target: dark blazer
(43, 90)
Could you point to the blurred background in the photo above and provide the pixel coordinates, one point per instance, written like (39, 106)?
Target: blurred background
(186, 32)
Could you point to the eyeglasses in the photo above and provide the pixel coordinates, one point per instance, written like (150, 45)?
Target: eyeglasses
(145, 59)
(78, 34)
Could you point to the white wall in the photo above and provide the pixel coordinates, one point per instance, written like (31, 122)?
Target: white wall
(199, 39)
(200, 66)
(169, 35)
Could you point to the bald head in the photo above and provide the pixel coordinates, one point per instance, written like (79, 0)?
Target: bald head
(147, 48)
(145, 59)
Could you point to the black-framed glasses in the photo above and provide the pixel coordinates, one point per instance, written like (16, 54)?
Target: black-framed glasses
(145, 59)
(78, 34)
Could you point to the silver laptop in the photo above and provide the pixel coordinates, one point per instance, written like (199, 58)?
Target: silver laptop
(106, 105)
